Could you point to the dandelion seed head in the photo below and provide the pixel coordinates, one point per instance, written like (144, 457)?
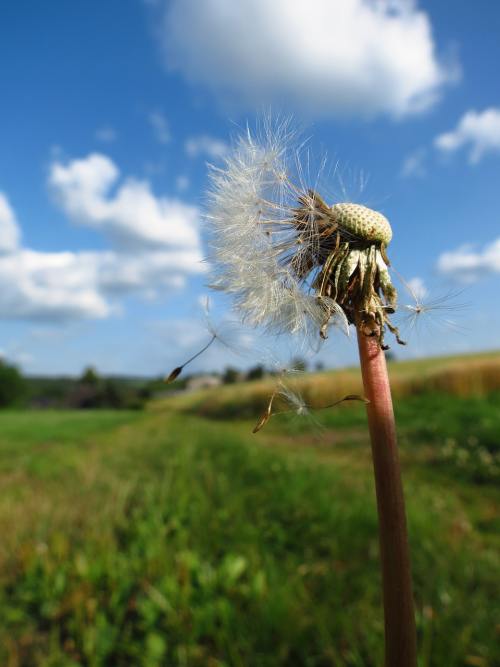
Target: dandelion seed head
(292, 263)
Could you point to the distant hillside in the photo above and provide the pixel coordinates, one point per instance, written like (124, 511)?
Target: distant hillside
(463, 375)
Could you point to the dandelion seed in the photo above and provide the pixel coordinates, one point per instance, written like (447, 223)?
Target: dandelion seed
(430, 311)
(229, 334)
(178, 370)
(293, 402)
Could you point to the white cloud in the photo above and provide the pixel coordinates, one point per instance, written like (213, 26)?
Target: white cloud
(63, 286)
(132, 216)
(349, 56)
(106, 134)
(50, 286)
(468, 265)
(206, 145)
(414, 164)
(156, 246)
(9, 229)
(478, 131)
(148, 273)
(160, 126)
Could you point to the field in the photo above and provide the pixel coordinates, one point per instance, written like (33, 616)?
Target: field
(176, 537)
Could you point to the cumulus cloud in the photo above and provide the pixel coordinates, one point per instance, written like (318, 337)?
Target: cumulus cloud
(64, 286)
(132, 216)
(477, 131)
(468, 265)
(50, 286)
(346, 57)
(159, 123)
(9, 229)
(147, 273)
(206, 145)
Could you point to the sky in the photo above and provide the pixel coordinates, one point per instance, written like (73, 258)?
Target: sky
(110, 112)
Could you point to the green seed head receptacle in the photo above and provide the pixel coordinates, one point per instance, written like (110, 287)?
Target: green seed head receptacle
(362, 222)
(352, 261)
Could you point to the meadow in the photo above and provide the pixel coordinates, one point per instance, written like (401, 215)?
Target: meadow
(175, 536)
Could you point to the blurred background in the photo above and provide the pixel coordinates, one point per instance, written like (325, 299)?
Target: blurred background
(143, 523)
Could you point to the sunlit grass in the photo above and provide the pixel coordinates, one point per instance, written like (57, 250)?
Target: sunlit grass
(463, 376)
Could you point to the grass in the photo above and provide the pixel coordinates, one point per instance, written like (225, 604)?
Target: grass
(165, 539)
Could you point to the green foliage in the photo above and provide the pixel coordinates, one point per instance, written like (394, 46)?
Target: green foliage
(230, 375)
(469, 446)
(157, 539)
(89, 377)
(458, 435)
(13, 387)
(92, 391)
(158, 386)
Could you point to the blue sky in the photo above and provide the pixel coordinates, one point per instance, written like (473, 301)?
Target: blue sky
(110, 111)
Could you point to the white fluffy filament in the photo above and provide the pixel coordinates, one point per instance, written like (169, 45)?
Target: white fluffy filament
(253, 239)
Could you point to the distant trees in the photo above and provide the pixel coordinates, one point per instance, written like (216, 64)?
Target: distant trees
(256, 373)
(230, 375)
(13, 387)
(90, 377)
(92, 391)
(89, 391)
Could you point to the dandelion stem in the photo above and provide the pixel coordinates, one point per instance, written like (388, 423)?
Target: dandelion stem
(400, 633)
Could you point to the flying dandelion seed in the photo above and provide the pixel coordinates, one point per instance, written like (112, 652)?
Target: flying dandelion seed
(430, 312)
(178, 370)
(292, 399)
(292, 402)
(227, 333)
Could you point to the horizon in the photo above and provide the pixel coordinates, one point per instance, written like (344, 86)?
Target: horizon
(267, 371)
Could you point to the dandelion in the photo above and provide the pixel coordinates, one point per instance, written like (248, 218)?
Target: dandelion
(295, 264)
(291, 261)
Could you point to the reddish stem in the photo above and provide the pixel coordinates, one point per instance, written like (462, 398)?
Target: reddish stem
(400, 633)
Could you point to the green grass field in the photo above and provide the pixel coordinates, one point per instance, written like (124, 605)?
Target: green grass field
(171, 538)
